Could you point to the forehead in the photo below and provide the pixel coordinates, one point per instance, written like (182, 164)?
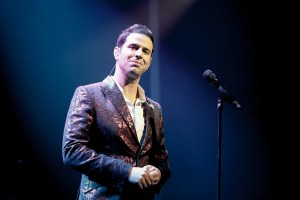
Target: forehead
(139, 39)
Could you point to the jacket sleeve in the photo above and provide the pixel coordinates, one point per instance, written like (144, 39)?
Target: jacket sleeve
(77, 149)
(161, 159)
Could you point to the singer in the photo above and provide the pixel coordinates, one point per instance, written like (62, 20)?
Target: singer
(114, 134)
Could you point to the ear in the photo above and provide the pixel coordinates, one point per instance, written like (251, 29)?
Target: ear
(149, 62)
(116, 52)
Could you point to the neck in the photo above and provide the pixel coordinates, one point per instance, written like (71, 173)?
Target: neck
(130, 93)
(129, 87)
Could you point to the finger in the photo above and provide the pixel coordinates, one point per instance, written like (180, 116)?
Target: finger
(155, 177)
(148, 167)
(140, 185)
(145, 184)
(148, 179)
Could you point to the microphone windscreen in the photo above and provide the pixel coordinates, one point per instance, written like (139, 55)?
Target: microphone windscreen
(207, 73)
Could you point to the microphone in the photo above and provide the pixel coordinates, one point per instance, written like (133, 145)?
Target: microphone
(223, 93)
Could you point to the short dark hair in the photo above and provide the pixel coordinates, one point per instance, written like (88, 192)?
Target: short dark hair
(136, 28)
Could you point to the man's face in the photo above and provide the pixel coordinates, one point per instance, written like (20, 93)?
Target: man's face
(135, 56)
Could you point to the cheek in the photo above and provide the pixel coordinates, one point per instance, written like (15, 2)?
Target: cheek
(148, 62)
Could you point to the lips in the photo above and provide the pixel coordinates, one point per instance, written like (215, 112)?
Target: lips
(136, 62)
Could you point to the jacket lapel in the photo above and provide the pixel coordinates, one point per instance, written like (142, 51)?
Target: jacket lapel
(147, 138)
(115, 96)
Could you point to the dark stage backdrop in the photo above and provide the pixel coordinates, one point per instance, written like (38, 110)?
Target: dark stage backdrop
(48, 48)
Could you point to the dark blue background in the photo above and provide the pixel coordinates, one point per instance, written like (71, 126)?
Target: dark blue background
(50, 47)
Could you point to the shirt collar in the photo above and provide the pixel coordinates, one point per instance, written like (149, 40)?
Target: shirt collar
(141, 92)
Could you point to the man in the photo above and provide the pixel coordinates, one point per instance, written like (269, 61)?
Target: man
(113, 133)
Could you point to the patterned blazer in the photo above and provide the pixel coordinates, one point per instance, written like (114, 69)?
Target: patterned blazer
(100, 142)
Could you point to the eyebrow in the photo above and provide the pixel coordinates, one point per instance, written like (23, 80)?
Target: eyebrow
(144, 48)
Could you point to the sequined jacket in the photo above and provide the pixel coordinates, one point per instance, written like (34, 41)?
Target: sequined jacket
(101, 143)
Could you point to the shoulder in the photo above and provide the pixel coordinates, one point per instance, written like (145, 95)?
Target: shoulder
(90, 85)
(153, 102)
(88, 88)
(105, 83)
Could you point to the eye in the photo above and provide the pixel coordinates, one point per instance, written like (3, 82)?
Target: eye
(133, 47)
(146, 51)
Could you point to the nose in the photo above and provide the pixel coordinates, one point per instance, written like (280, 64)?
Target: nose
(138, 53)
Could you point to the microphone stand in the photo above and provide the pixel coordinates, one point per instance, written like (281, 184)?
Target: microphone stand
(220, 109)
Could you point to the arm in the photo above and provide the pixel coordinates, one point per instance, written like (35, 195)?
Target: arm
(79, 149)
(160, 157)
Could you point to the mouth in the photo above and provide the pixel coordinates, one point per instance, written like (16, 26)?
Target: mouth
(137, 63)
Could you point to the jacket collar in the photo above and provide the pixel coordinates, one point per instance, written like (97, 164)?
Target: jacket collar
(115, 96)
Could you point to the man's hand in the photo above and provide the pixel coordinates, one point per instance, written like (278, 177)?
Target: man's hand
(154, 172)
(141, 176)
(144, 177)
